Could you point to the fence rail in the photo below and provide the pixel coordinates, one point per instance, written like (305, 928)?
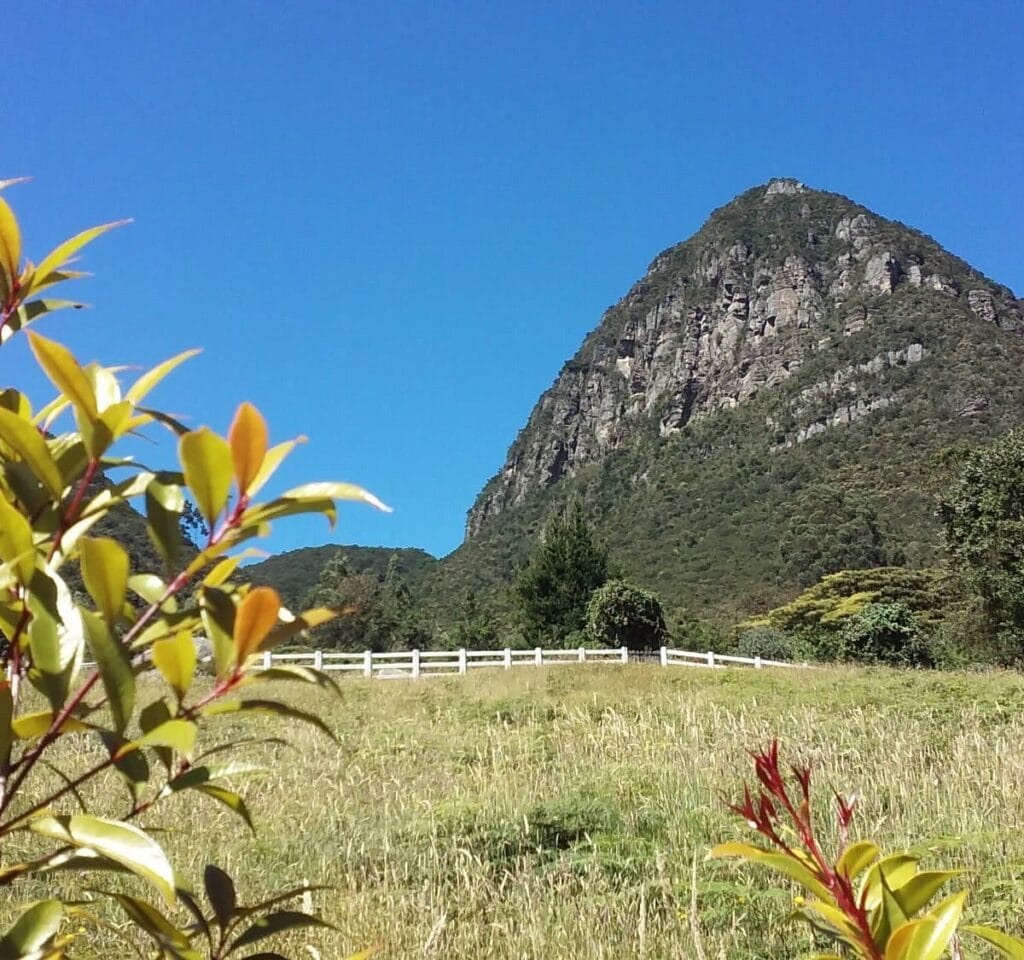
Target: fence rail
(433, 663)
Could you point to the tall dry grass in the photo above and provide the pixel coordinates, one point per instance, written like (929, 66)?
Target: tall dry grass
(565, 812)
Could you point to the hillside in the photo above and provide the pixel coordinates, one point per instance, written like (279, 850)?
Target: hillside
(294, 572)
(761, 407)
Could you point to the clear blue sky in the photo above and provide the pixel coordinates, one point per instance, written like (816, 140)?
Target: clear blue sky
(389, 224)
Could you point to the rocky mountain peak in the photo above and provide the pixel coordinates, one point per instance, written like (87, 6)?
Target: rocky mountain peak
(782, 276)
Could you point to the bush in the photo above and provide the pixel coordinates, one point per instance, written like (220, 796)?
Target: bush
(885, 633)
(771, 644)
(622, 615)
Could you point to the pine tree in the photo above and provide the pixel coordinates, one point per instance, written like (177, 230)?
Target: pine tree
(553, 590)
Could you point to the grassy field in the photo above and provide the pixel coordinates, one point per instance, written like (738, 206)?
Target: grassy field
(565, 812)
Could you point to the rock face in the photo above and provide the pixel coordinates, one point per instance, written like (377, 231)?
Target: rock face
(780, 277)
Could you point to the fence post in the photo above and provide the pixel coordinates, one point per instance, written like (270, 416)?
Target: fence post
(711, 658)
(368, 663)
(268, 659)
(624, 654)
(757, 662)
(462, 660)
(538, 656)
(664, 656)
(318, 659)
(583, 655)
(508, 658)
(415, 664)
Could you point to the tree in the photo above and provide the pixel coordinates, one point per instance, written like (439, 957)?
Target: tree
(474, 629)
(623, 615)
(981, 507)
(567, 566)
(126, 622)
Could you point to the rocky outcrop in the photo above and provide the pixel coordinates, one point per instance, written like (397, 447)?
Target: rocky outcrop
(778, 277)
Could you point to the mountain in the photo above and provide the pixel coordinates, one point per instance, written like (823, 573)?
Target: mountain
(761, 407)
(294, 572)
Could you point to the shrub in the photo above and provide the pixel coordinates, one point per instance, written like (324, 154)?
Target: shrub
(622, 615)
(885, 633)
(771, 644)
(53, 496)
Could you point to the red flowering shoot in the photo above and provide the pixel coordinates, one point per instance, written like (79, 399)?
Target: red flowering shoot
(876, 907)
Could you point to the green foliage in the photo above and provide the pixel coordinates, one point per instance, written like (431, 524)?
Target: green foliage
(474, 629)
(982, 511)
(868, 904)
(295, 572)
(885, 633)
(771, 643)
(126, 619)
(553, 590)
(620, 614)
(378, 613)
(844, 594)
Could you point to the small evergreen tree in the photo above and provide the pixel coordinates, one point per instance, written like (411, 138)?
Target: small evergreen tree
(553, 590)
(474, 630)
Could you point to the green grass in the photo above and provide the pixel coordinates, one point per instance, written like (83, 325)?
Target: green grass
(565, 812)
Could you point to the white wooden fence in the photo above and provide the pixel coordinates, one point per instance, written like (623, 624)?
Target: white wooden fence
(434, 663)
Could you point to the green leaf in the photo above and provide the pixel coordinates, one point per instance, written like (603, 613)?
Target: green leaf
(271, 461)
(31, 725)
(934, 931)
(223, 570)
(220, 891)
(897, 868)
(138, 390)
(789, 866)
(1010, 947)
(335, 491)
(915, 894)
(105, 568)
(56, 637)
(307, 620)
(64, 371)
(120, 842)
(63, 252)
(130, 763)
(293, 673)
(164, 504)
(206, 460)
(175, 658)
(857, 857)
(176, 734)
(230, 799)
(274, 923)
(150, 588)
(816, 912)
(33, 930)
(28, 443)
(201, 773)
(16, 547)
(271, 707)
(145, 916)
(218, 613)
(10, 246)
(115, 668)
